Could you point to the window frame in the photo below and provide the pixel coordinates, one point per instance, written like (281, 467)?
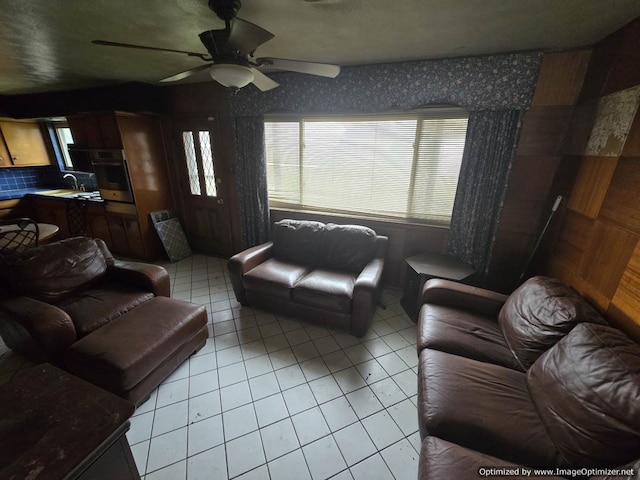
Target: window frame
(418, 115)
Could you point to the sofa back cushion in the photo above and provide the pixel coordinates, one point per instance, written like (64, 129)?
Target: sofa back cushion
(51, 272)
(538, 314)
(586, 389)
(297, 241)
(347, 247)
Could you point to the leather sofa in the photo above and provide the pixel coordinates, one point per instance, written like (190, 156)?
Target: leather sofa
(537, 379)
(326, 273)
(111, 322)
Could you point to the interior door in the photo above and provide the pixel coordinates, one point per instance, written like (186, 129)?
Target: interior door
(203, 185)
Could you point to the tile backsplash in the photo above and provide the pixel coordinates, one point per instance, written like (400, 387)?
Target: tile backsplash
(47, 177)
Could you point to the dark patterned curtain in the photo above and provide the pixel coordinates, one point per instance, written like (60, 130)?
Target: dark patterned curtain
(489, 150)
(251, 179)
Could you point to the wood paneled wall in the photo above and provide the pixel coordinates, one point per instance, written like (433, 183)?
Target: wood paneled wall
(533, 181)
(597, 247)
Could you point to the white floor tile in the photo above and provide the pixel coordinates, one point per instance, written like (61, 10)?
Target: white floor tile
(140, 429)
(260, 473)
(382, 429)
(290, 467)
(407, 381)
(172, 392)
(229, 356)
(310, 425)
(299, 398)
(388, 392)
(170, 418)
(235, 396)
(279, 438)
(337, 361)
(402, 460)
(149, 405)
(354, 443)
(323, 458)
(239, 422)
(325, 389)
(167, 449)
(205, 435)
(244, 454)
(305, 351)
(264, 386)
(179, 373)
(314, 368)
(338, 413)
(392, 363)
(202, 363)
(204, 406)
(258, 366)
(377, 347)
(203, 383)
(253, 349)
(177, 471)
(364, 402)
(372, 468)
(371, 371)
(140, 452)
(270, 409)
(344, 475)
(208, 465)
(358, 354)
(231, 374)
(282, 358)
(405, 414)
(276, 343)
(349, 380)
(326, 345)
(289, 377)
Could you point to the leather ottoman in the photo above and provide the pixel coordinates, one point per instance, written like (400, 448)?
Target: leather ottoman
(133, 354)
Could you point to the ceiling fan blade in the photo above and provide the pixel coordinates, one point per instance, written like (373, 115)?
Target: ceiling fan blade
(185, 74)
(144, 47)
(263, 82)
(245, 37)
(311, 68)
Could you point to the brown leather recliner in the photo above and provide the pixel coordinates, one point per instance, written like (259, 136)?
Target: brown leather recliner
(536, 379)
(108, 321)
(329, 273)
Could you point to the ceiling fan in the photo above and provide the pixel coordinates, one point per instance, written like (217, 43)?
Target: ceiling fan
(231, 60)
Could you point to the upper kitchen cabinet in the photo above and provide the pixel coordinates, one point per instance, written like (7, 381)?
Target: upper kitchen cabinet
(22, 144)
(99, 130)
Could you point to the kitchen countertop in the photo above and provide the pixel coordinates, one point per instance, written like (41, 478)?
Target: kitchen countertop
(48, 192)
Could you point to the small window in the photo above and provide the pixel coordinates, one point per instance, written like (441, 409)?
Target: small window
(64, 138)
(200, 162)
(383, 166)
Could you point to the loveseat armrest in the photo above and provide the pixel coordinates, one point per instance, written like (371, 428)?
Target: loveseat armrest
(149, 277)
(36, 329)
(453, 294)
(365, 296)
(244, 261)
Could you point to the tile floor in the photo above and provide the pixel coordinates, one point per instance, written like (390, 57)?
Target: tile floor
(271, 397)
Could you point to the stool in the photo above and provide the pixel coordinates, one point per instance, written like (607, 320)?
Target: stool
(134, 353)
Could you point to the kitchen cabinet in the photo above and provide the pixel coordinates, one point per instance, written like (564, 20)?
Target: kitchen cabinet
(96, 130)
(52, 210)
(22, 144)
(98, 224)
(140, 137)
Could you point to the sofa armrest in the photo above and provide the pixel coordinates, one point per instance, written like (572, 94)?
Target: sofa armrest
(244, 261)
(36, 329)
(365, 296)
(149, 277)
(453, 294)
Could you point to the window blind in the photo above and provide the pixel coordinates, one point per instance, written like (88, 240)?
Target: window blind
(404, 166)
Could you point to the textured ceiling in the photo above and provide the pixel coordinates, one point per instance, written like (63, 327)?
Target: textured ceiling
(46, 45)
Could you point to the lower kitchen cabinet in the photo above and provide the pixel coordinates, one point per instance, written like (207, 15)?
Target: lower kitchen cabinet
(52, 210)
(126, 236)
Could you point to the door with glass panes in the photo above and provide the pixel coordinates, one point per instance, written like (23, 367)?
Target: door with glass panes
(203, 185)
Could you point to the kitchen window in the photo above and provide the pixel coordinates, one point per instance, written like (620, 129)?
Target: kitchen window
(385, 166)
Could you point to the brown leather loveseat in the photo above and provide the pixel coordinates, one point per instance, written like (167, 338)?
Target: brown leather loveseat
(108, 321)
(537, 380)
(314, 271)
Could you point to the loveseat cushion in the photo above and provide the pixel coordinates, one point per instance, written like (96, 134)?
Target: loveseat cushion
(325, 289)
(483, 407)
(92, 308)
(346, 247)
(51, 272)
(538, 314)
(462, 332)
(274, 277)
(587, 389)
(297, 241)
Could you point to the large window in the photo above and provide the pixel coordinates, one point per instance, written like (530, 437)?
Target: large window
(401, 166)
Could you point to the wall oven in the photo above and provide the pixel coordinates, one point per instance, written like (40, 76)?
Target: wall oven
(112, 176)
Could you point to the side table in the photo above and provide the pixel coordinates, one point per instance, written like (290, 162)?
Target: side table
(421, 268)
(54, 426)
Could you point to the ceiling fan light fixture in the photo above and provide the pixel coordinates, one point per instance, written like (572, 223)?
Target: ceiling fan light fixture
(231, 75)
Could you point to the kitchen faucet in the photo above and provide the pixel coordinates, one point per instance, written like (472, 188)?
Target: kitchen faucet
(75, 180)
